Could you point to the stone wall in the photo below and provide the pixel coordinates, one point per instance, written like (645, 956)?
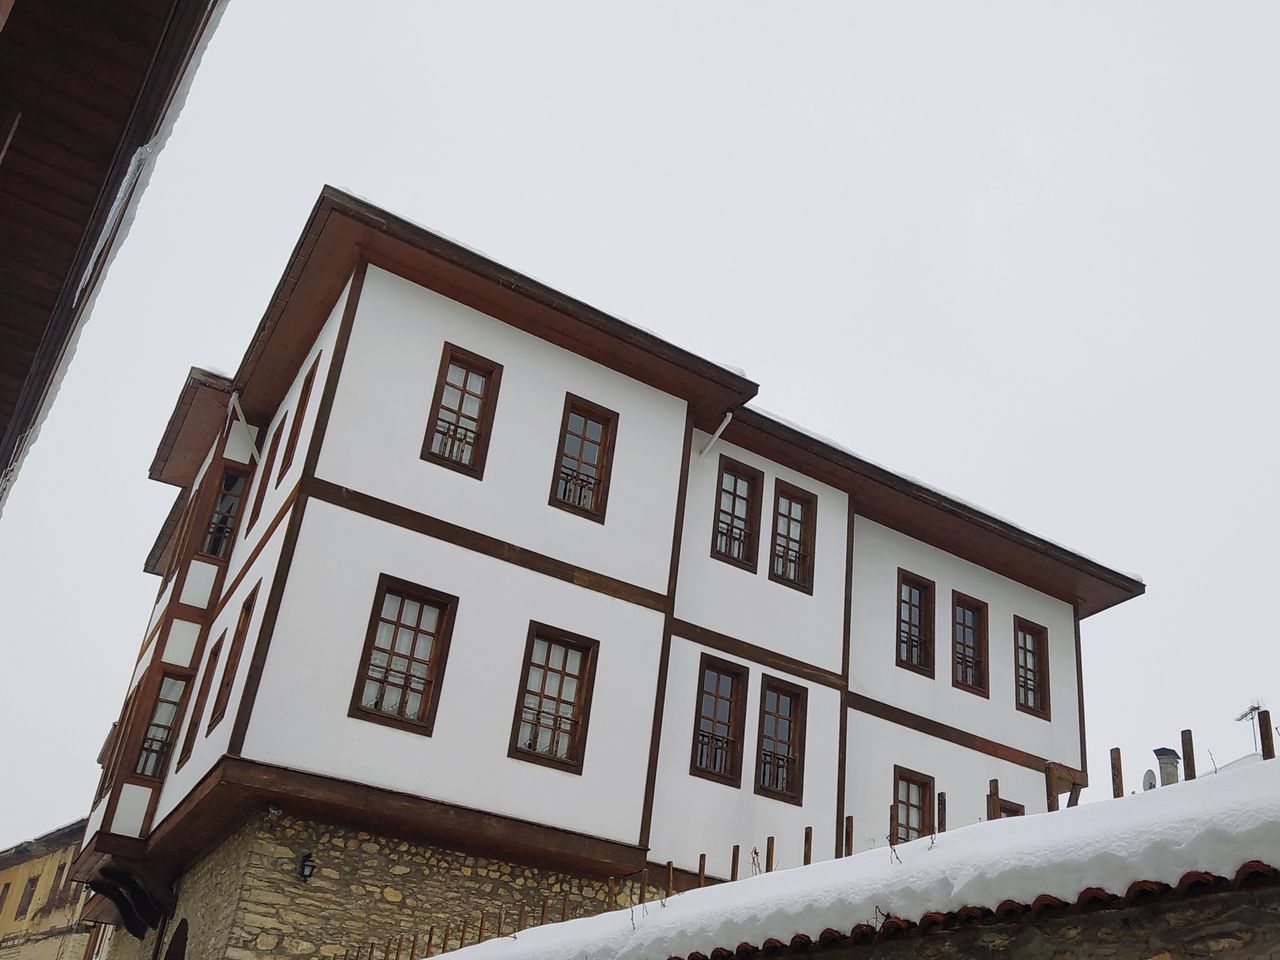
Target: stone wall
(245, 900)
(63, 944)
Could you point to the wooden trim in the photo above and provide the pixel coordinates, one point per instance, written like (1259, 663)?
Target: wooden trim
(928, 614)
(399, 516)
(755, 501)
(1042, 667)
(1084, 755)
(258, 547)
(609, 418)
(202, 532)
(757, 655)
(590, 650)
(737, 719)
(264, 472)
(808, 534)
(10, 112)
(1011, 808)
(913, 721)
(981, 643)
(846, 654)
(484, 432)
(232, 665)
(299, 417)
(448, 605)
(197, 709)
(799, 722)
(285, 561)
(927, 783)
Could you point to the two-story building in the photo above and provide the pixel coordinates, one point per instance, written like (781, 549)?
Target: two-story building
(474, 593)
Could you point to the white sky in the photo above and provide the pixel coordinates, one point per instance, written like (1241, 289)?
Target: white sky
(1024, 251)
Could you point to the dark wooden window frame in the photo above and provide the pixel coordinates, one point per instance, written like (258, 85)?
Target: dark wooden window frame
(755, 480)
(1041, 634)
(928, 607)
(448, 605)
(28, 895)
(590, 650)
(197, 707)
(232, 664)
(1010, 808)
(609, 418)
(927, 799)
(264, 471)
(203, 532)
(808, 534)
(299, 415)
(480, 449)
(981, 643)
(175, 730)
(799, 724)
(737, 720)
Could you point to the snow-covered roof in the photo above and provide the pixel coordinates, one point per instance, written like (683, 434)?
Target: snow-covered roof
(1177, 835)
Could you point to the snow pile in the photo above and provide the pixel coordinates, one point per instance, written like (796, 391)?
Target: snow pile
(1214, 824)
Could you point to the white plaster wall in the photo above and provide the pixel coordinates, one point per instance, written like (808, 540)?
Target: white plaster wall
(208, 749)
(181, 642)
(875, 746)
(379, 419)
(131, 808)
(751, 607)
(94, 823)
(692, 815)
(878, 553)
(277, 492)
(239, 441)
(161, 602)
(199, 583)
(143, 661)
(300, 717)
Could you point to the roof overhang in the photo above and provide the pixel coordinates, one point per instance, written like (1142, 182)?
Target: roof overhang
(193, 426)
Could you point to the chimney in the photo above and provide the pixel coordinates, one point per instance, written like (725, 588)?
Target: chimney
(1168, 765)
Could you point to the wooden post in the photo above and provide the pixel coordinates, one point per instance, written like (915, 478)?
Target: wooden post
(524, 916)
(808, 845)
(993, 800)
(480, 934)
(671, 878)
(431, 937)
(768, 856)
(702, 870)
(1266, 735)
(733, 867)
(893, 824)
(544, 912)
(613, 894)
(399, 945)
(564, 907)
(1188, 756)
(444, 940)
(413, 948)
(1050, 787)
(644, 885)
(942, 812)
(462, 937)
(1117, 774)
(848, 836)
(502, 919)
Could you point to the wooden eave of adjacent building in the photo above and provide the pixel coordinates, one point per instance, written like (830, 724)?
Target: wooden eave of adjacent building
(43, 845)
(83, 85)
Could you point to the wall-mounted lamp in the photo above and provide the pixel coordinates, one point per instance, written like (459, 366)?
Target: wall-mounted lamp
(306, 867)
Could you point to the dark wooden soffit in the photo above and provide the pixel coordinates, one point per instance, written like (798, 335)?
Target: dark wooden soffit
(158, 559)
(87, 84)
(193, 426)
(343, 228)
(941, 521)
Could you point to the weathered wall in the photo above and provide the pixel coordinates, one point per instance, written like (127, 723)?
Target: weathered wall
(65, 944)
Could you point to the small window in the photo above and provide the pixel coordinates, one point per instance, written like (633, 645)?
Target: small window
(554, 702)
(736, 531)
(795, 518)
(54, 896)
(969, 644)
(202, 695)
(299, 415)
(28, 894)
(1010, 809)
(264, 473)
(462, 411)
(913, 794)
(1031, 666)
(233, 659)
(4, 895)
(584, 458)
(226, 512)
(915, 623)
(402, 666)
(780, 751)
(719, 719)
(159, 735)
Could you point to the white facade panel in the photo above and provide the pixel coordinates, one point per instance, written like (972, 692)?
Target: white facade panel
(240, 443)
(143, 662)
(181, 642)
(693, 815)
(199, 583)
(161, 602)
(300, 716)
(380, 418)
(730, 600)
(131, 810)
(879, 552)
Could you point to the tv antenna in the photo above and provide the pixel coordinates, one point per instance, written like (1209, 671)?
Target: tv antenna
(1249, 714)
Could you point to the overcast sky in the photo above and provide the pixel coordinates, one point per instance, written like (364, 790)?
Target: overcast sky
(1024, 251)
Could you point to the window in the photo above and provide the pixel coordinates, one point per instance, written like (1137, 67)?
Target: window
(402, 666)
(226, 512)
(915, 623)
(233, 659)
(299, 414)
(719, 719)
(554, 702)
(159, 736)
(1031, 666)
(735, 533)
(264, 474)
(584, 458)
(462, 411)
(969, 644)
(1010, 809)
(795, 517)
(55, 890)
(4, 895)
(28, 894)
(197, 711)
(913, 795)
(780, 751)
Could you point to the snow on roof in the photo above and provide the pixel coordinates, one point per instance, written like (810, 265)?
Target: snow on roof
(1215, 825)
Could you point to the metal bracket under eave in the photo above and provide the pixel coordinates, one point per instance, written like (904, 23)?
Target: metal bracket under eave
(728, 415)
(239, 411)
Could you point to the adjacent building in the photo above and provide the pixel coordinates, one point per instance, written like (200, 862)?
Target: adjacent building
(39, 904)
(472, 593)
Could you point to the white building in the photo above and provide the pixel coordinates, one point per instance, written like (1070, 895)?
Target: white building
(514, 576)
